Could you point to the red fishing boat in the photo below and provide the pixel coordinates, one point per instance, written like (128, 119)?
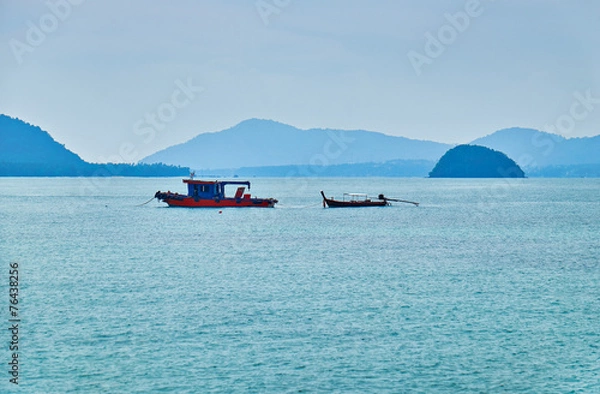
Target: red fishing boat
(211, 194)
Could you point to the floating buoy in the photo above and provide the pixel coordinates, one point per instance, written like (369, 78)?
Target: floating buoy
(220, 211)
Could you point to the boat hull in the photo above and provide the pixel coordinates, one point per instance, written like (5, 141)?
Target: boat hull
(178, 200)
(346, 204)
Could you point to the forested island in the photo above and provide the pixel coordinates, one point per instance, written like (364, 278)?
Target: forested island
(472, 161)
(27, 150)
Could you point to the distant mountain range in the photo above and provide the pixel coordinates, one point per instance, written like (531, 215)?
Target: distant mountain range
(390, 168)
(27, 150)
(533, 149)
(258, 143)
(267, 148)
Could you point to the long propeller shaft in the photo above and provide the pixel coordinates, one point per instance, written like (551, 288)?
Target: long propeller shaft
(406, 201)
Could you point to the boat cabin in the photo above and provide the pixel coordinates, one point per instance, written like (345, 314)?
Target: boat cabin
(205, 190)
(355, 197)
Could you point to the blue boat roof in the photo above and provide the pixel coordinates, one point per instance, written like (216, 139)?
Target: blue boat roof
(201, 182)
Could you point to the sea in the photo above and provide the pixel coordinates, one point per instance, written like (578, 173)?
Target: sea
(488, 286)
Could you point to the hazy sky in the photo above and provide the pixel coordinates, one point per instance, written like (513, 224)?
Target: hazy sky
(142, 74)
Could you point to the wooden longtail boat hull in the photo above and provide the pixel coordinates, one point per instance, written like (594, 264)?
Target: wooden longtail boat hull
(331, 203)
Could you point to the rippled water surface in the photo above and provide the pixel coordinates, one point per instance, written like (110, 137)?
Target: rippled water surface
(489, 286)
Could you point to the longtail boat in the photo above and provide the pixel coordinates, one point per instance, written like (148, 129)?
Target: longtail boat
(350, 200)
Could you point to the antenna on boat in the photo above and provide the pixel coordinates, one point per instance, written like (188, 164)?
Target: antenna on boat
(192, 174)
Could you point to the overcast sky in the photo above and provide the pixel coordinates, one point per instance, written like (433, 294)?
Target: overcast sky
(150, 74)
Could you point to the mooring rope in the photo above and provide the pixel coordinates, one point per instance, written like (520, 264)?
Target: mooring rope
(139, 205)
(311, 205)
(284, 206)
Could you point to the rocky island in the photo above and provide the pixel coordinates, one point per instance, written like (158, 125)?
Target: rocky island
(473, 161)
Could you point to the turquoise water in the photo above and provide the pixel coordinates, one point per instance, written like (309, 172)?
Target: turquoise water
(490, 286)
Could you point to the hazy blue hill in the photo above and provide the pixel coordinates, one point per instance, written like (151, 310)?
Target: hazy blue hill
(533, 148)
(472, 161)
(21, 142)
(566, 171)
(393, 168)
(27, 150)
(255, 142)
